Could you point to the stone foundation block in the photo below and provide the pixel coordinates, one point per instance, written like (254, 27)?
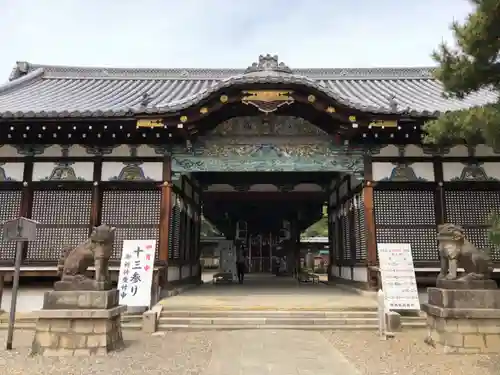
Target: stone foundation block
(78, 332)
(76, 300)
(463, 321)
(393, 321)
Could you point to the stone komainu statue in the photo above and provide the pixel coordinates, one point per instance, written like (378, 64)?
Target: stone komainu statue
(96, 252)
(456, 251)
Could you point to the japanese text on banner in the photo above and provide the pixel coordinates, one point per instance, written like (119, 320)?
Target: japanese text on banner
(136, 272)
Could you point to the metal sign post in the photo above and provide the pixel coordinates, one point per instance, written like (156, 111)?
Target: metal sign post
(19, 230)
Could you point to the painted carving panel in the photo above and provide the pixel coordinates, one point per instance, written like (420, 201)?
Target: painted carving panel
(63, 171)
(132, 171)
(267, 126)
(401, 172)
(471, 171)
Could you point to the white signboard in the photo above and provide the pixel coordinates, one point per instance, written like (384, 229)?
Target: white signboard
(398, 276)
(136, 272)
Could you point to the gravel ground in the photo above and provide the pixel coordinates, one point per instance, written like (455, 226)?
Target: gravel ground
(179, 354)
(407, 354)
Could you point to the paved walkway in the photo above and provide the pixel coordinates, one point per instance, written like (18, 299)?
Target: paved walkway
(263, 291)
(261, 352)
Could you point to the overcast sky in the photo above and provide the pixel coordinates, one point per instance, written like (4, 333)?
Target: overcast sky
(221, 33)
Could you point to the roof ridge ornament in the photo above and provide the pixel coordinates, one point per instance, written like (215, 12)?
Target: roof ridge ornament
(268, 63)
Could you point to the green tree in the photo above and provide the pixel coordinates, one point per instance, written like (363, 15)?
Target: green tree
(471, 66)
(318, 229)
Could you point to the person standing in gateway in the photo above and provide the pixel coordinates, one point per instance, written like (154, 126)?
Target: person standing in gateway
(241, 264)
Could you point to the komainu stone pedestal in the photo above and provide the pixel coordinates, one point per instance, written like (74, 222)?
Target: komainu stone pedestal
(464, 320)
(79, 323)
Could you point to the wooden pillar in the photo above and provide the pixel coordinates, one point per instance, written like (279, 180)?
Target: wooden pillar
(2, 284)
(165, 217)
(352, 225)
(339, 231)
(331, 237)
(25, 209)
(439, 202)
(96, 209)
(371, 232)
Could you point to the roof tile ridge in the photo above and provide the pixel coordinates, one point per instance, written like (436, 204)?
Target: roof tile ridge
(38, 72)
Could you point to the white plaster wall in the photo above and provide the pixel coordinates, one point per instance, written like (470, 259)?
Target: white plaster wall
(220, 187)
(74, 150)
(173, 273)
(263, 187)
(483, 150)
(335, 271)
(14, 171)
(414, 151)
(42, 170)
(7, 151)
(185, 271)
(195, 268)
(360, 274)
(125, 150)
(345, 273)
(458, 151)
(152, 170)
(388, 151)
(308, 187)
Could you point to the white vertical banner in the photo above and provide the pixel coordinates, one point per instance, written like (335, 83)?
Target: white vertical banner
(398, 276)
(136, 272)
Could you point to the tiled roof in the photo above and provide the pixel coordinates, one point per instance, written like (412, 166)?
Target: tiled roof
(62, 91)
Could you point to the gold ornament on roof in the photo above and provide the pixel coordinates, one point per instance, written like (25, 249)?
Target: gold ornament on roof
(330, 110)
(267, 101)
(352, 118)
(311, 98)
(204, 110)
(183, 118)
(224, 98)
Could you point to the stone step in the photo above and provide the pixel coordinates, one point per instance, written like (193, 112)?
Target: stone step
(267, 314)
(329, 327)
(261, 321)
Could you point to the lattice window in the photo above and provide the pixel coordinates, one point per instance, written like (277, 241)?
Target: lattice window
(423, 241)
(184, 233)
(470, 207)
(64, 217)
(134, 213)
(175, 232)
(10, 204)
(361, 251)
(404, 207)
(346, 235)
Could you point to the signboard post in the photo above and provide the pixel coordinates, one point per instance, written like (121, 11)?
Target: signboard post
(136, 272)
(397, 271)
(19, 230)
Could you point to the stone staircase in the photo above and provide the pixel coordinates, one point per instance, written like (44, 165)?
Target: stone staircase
(230, 319)
(362, 319)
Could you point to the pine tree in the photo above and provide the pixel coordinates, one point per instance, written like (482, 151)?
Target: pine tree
(472, 66)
